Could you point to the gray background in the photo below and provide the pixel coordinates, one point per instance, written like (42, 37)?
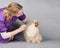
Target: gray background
(48, 13)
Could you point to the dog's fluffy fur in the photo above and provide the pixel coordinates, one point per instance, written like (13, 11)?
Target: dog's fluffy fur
(32, 33)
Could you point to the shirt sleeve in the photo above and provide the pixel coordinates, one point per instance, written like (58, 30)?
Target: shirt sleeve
(22, 17)
(3, 28)
(3, 8)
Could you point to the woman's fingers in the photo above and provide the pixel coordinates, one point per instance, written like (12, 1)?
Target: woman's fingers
(23, 27)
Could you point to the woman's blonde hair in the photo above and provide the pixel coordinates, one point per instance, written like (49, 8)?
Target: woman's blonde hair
(12, 8)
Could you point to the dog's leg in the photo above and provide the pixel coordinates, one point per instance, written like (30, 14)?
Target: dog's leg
(33, 40)
(39, 37)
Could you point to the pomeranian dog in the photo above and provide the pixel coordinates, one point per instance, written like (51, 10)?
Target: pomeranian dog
(32, 33)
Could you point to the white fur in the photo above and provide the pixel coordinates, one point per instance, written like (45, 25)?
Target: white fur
(32, 33)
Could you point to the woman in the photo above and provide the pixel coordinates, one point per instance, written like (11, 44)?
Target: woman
(9, 15)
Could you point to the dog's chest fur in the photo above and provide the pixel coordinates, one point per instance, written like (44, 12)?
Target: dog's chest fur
(31, 30)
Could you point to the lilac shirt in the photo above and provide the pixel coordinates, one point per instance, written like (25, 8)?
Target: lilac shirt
(4, 25)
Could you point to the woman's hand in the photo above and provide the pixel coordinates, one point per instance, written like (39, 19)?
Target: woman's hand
(22, 27)
(26, 21)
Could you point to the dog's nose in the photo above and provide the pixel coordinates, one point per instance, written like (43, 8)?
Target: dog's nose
(36, 24)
